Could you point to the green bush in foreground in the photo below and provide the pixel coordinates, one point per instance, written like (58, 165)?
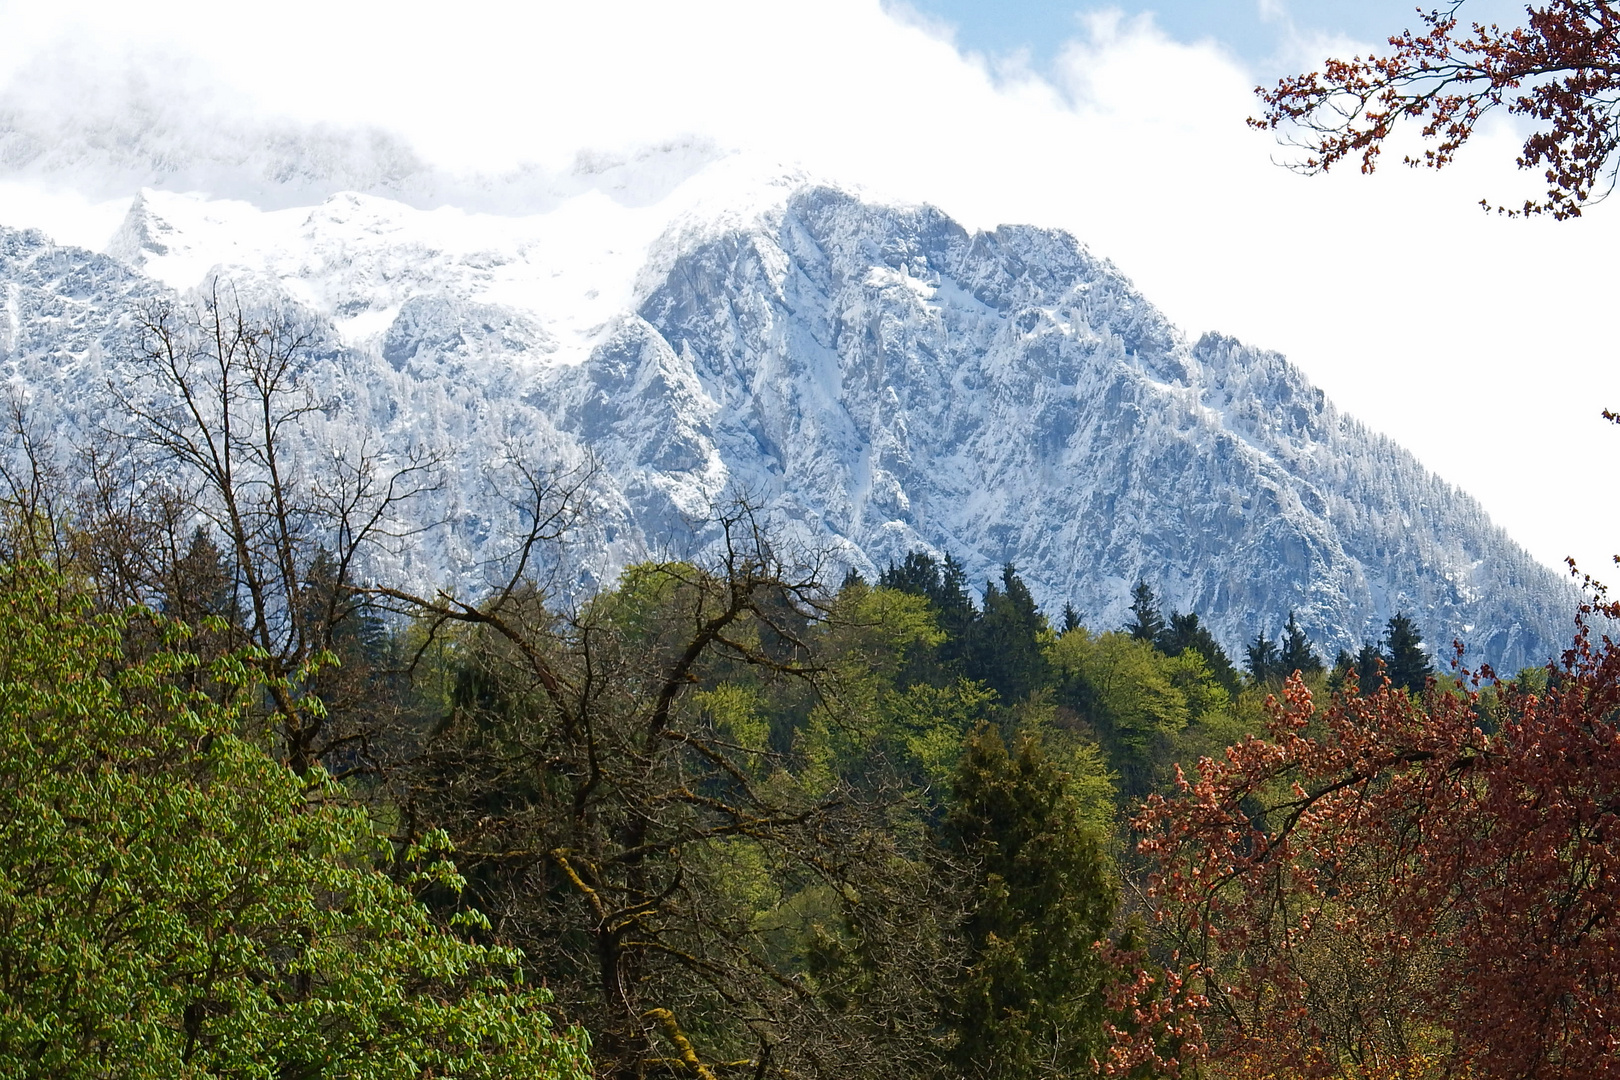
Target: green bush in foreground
(174, 903)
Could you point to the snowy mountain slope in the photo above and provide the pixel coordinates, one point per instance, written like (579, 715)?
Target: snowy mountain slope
(881, 378)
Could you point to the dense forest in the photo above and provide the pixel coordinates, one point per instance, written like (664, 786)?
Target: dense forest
(265, 811)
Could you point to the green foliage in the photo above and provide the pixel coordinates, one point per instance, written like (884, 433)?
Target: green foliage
(943, 585)
(173, 903)
(1186, 632)
(896, 710)
(1147, 710)
(1122, 687)
(1031, 1002)
(1002, 647)
(1368, 665)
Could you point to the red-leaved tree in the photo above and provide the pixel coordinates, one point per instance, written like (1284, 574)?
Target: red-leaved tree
(1403, 880)
(1561, 70)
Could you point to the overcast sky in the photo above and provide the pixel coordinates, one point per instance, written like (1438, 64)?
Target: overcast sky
(1485, 346)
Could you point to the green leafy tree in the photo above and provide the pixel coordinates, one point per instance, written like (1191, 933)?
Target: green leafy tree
(888, 717)
(1032, 1002)
(1125, 690)
(1186, 632)
(174, 903)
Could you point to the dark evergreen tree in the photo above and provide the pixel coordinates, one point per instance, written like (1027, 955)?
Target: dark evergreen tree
(1146, 623)
(1031, 1003)
(918, 574)
(1007, 654)
(1370, 673)
(1263, 660)
(1296, 652)
(198, 587)
(1071, 618)
(1342, 664)
(199, 583)
(957, 615)
(852, 577)
(1187, 632)
(1408, 664)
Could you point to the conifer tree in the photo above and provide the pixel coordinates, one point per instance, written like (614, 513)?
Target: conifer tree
(1296, 651)
(1146, 623)
(1008, 656)
(1043, 894)
(1263, 660)
(1071, 617)
(1370, 673)
(199, 584)
(1408, 664)
(957, 613)
(917, 574)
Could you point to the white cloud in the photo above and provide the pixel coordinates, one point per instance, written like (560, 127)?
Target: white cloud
(1486, 346)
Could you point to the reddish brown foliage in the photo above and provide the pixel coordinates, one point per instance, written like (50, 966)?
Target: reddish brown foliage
(1561, 69)
(1386, 882)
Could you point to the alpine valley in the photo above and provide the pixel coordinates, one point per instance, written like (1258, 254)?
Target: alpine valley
(876, 377)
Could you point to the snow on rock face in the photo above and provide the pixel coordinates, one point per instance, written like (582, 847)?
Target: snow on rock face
(879, 378)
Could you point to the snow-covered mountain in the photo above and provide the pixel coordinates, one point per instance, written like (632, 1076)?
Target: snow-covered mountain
(881, 378)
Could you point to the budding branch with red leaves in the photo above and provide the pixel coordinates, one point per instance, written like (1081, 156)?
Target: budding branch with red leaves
(1561, 69)
(1386, 880)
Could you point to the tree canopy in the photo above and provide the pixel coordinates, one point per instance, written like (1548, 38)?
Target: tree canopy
(175, 903)
(1383, 882)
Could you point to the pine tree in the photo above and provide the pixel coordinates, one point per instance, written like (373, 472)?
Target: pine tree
(1370, 673)
(1146, 623)
(1296, 651)
(1263, 660)
(918, 574)
(199, 584)
(1031, 1002)
(1408, 664)
(1071, 617)
(1341, 667)
(1007, 656)
(957, 615)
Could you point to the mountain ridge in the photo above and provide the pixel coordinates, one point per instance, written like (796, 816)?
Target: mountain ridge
(883, 380)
